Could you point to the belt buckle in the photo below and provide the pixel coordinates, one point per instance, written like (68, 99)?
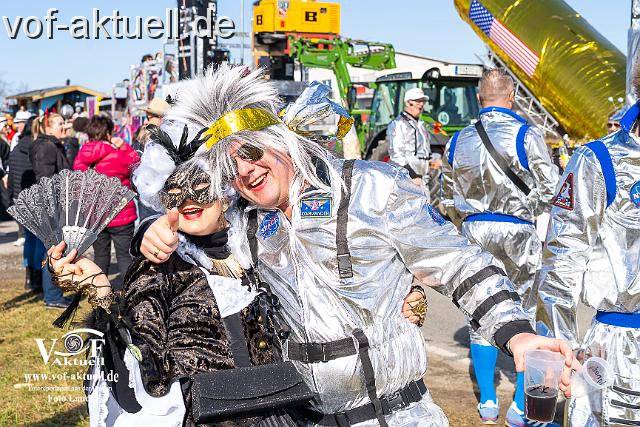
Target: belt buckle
(395, 401)
(323, 350)
(316, 348)
(304, 352)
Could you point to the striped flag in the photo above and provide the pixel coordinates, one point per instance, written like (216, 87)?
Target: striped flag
(505, 39)
(283, 7)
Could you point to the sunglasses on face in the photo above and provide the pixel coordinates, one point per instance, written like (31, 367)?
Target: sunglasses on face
(248, 153)
(613, 125)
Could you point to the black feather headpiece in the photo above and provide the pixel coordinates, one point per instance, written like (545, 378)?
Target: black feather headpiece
(185, 150)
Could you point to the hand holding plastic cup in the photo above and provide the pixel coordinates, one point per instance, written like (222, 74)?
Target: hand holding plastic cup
(596, 374)
(542, 373)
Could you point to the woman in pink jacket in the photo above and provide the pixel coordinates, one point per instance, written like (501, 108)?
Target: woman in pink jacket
(111, 157)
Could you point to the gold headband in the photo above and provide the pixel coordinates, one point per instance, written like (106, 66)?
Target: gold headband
(236, 121)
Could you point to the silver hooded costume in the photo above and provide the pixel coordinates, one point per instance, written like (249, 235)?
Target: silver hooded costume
(593, 255)
(409, 144)
(393, 235)
(494, 213)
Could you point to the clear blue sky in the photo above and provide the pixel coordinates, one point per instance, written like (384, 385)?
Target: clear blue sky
(424, 27)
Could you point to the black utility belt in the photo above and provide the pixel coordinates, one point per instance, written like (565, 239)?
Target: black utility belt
(402, 398)
(313, 352)
(324, 352)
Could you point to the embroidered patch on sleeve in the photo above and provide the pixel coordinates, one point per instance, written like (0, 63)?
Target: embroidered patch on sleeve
(435, 215)
(564, 198)
(269, 225)
(315, 207)
(634, 194)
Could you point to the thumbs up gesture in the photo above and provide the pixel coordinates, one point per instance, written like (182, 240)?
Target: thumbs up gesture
(172, 219)
(161, 238)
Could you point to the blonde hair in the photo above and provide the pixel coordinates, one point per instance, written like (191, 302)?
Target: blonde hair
(39, 125)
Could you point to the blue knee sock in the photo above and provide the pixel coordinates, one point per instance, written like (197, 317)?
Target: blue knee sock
(519, 396)
(484, 363)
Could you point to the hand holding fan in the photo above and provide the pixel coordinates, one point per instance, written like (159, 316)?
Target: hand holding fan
(73, 206)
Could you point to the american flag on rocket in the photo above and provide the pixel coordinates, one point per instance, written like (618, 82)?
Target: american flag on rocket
(283, 6)
(505, 39)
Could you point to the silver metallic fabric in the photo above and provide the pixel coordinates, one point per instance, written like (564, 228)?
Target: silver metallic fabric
(393, 235)
(314, 105)
(593, 255)
(621, 349)
(519, 249)
(409, 143)
(475, 183)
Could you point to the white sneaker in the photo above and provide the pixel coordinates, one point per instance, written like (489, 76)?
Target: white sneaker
(19, 242)
(489, 411)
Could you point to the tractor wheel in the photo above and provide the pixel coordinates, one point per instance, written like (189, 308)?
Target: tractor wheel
(381, 152)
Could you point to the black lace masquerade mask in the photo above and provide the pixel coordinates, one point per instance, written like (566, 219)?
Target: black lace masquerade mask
(190, 184)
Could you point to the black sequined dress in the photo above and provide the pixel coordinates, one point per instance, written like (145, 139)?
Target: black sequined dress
(171, 315)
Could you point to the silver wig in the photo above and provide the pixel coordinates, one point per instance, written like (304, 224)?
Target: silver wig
(218, 91)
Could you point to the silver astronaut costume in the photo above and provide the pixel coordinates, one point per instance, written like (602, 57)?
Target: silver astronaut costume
(393, 234)
(409, 144)
(494, 213)
(593, 255)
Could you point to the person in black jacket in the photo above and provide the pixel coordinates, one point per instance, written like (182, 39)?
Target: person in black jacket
(21, 177)
(48, 158)
(21, 174)
(4, 147)
(48, 155)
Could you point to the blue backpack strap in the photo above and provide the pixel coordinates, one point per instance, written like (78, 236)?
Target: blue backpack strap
(452, 148)
(522, 153)
(606, 164)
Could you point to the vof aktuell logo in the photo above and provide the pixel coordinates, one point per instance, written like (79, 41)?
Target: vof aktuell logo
(70, 349)
(100, 25)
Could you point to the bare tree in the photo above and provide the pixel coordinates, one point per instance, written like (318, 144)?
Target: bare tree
(5, 87)
(8, 88)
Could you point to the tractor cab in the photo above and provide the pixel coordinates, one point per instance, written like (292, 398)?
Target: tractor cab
(452, 104)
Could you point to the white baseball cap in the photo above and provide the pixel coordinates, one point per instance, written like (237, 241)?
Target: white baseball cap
(415, 94)
(22, 116)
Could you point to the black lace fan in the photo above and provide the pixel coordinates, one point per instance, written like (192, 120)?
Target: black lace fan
(73, 206)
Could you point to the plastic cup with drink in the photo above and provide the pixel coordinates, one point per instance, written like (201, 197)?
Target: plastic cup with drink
(543, 370)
